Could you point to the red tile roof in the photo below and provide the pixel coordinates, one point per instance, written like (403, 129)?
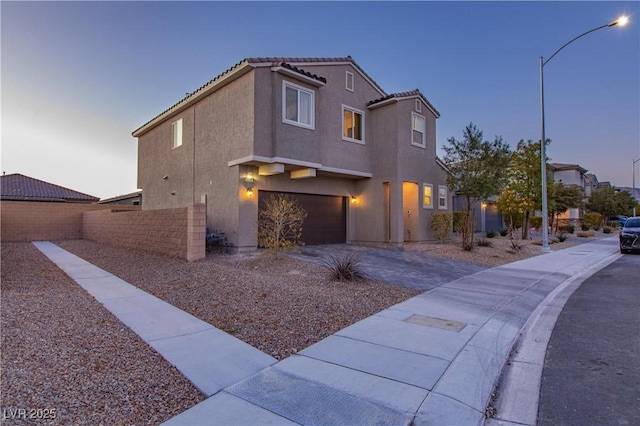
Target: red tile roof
(412, 93)
(18, 187)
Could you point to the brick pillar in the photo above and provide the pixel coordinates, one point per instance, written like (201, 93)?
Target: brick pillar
(196, 230)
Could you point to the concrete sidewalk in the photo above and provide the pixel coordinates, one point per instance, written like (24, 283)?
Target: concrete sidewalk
(433, 359)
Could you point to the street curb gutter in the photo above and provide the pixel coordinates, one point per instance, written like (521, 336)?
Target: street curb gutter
(519, 382)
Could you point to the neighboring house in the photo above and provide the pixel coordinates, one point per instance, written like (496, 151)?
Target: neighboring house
(571, 175)
(591, 184)
(486, 215)
(132, 199)
(17, 187)
(362, 162)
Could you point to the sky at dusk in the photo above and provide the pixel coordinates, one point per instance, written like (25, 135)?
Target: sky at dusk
(79, 77)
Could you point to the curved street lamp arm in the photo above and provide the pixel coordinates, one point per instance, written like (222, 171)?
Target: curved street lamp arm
(576, 38)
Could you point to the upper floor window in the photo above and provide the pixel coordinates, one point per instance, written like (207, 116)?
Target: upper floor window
(349, 85)
(352, 124)
(418, 127)
(427, 196)
(418, 105)
(442, 197)
(297, 105)
(176, 133)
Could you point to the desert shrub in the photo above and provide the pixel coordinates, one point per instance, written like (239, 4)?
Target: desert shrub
(482, 242)
(441, 225)
(457, 221)
(536, 242)
(606, 229)
(280, 223)
(491, 234)
(571, 228)
(613, 224)
(504, 232)
(582, 234)
(516, 245)
(592, 220)
(591, 232)
(585, 227)
(562, 237)
(535, 222)
(344, 268)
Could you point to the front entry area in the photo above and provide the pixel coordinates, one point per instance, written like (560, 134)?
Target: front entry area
(411, 212)
(326, 221)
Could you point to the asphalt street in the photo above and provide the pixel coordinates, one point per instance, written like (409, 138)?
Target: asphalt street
(591, 373)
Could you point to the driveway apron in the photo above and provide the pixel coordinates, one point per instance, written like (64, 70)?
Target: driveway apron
(395, 265)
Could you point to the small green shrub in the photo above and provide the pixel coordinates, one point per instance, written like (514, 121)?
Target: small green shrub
(491, 234)
(345, 268)
(441, 225)
(562, 237)
(613, 224)
(536, 222)
(504, 232)
(585, 227)
(592, 220)
(571, 228)
(606, 229)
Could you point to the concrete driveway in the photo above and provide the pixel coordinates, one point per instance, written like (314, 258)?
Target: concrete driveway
(395, 265)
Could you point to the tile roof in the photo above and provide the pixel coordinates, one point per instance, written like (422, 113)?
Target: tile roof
(18, 187)
(565, 166)
(400, 95)
(289, 63)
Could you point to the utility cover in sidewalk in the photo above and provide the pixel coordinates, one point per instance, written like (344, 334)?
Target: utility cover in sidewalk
(437, 322)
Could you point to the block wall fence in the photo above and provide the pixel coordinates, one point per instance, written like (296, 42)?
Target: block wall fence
(44, 221)
(172, 232)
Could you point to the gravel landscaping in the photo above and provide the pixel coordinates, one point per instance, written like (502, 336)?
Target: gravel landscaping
(65, 356)
(279, 306)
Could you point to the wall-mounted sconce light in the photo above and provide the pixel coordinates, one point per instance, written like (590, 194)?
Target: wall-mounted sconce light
(354, 199)
(165, 177)
(173, 192)
(249, 182)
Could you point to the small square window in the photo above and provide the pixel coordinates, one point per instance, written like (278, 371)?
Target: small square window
(176, 133)
(349, 85)
(418, 105)
(418, 129)
(442, 197)
(427, 196)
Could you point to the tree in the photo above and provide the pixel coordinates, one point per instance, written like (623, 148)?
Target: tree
(280, 223)
(565, 198)
(478, 171)
(525, 178)
(513, 206)
(609, 202)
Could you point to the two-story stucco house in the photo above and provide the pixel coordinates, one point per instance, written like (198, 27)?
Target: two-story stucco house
(362, 162)
(570, 175)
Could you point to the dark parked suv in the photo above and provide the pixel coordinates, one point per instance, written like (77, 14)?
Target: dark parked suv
(630, 235)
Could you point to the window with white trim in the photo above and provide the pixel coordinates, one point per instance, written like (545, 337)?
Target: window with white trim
(442, 197)
(427, 196)
(418, 130)
(176, 133)
(297, 105)
(418, 105)
(349, 84)
(352, 124)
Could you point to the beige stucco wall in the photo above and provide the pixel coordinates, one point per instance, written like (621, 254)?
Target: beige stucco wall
(244, 118)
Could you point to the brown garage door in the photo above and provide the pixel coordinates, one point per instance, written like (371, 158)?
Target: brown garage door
(326, 221)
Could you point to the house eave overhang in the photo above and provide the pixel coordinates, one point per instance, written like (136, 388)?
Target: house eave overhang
(293, 164)
(298, 76)
(241, 69)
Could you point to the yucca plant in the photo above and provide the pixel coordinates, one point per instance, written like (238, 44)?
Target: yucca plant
(344, 268)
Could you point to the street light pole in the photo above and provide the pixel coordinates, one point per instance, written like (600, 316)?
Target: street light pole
(633, 184)
(543, 156)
